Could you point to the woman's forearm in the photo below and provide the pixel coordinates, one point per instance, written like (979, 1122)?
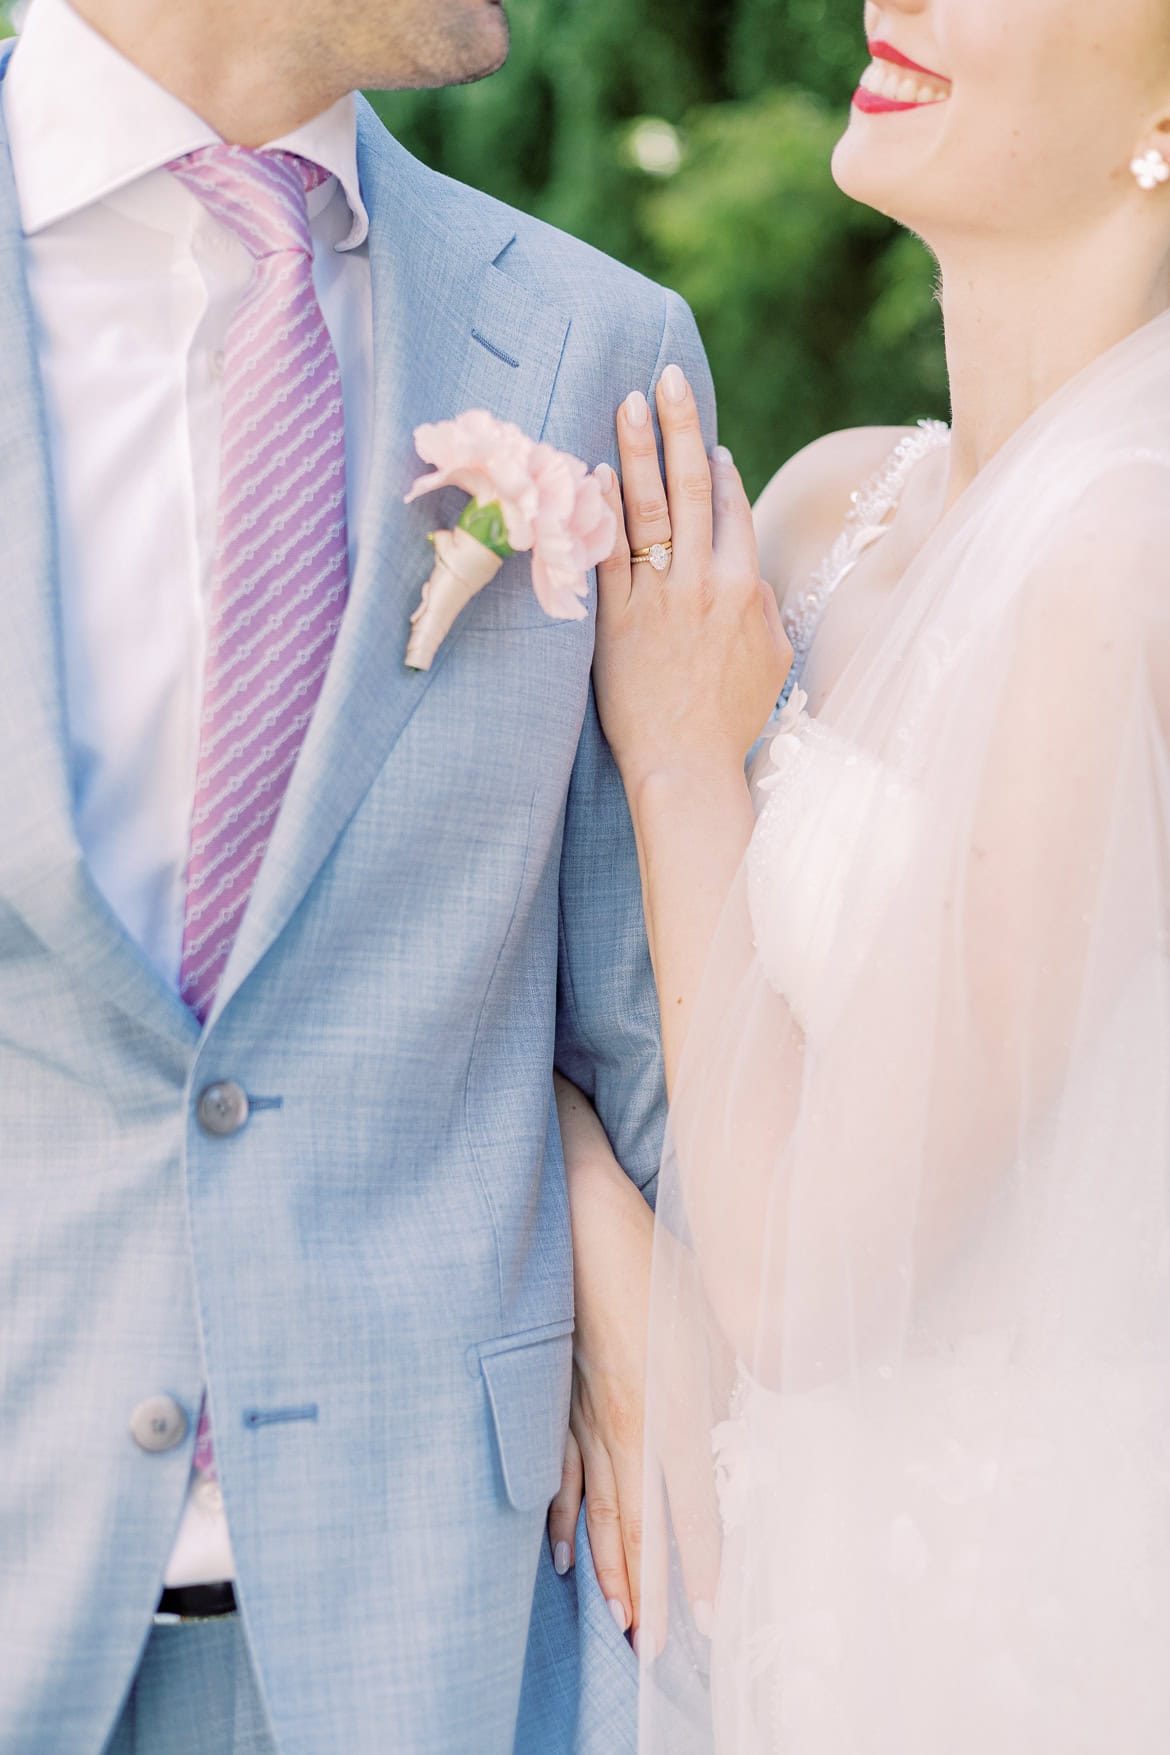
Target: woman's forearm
(693, 825)
(588, 1153)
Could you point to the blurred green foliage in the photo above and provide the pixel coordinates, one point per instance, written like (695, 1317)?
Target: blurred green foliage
(691, 139)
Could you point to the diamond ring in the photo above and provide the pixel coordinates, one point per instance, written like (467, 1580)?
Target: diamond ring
(658, 555)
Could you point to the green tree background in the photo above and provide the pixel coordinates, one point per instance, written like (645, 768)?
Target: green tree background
(691, 139)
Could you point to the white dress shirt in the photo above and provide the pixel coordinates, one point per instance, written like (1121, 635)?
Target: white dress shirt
(133, 287)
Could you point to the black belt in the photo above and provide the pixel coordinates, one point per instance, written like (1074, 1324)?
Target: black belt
(197, 1602)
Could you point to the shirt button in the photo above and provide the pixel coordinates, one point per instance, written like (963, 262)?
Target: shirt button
(218, 363)
(158, 1423)
(209, 1497)
(222, 1109)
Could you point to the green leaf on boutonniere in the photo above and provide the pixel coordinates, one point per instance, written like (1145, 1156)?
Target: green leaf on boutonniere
(486, 524)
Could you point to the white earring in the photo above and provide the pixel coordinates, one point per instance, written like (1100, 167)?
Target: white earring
(1151, 169)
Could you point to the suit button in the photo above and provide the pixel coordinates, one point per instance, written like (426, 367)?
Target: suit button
(158, 1423)
(222, 1109)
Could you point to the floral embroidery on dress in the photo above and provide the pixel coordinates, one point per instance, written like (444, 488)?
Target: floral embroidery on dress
(869, 519)
(786, 730)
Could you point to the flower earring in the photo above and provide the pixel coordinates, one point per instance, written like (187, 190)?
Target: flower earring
(1151, 169)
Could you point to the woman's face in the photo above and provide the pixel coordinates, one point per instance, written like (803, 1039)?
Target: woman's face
(1006, 118)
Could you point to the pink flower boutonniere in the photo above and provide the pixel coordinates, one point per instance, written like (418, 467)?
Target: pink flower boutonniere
(525, 498)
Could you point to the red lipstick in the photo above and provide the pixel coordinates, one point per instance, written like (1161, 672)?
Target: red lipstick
(872, 103)
(886, 52)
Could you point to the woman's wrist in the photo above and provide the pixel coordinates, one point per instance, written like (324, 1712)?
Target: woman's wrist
(682, 782)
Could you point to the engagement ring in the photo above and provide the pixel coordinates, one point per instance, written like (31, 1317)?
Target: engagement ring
(658, 554)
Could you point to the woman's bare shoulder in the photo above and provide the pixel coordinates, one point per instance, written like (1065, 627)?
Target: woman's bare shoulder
(803, 508)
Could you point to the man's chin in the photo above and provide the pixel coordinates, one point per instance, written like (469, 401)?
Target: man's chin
(472, 47)
(484, 70)
(497, 44)
(479, 40)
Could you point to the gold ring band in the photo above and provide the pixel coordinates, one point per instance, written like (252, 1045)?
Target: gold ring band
(658, 555)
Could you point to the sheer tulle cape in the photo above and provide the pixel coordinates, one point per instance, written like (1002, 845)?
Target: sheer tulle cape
(911, 1309)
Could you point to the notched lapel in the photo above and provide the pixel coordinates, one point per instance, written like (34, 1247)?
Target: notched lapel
(451, 331)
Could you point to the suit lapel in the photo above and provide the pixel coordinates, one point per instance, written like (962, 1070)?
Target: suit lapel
(43, 874)
(450, 332)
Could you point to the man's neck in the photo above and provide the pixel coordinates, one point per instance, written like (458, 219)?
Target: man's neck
(225, 60)
(1021, 323)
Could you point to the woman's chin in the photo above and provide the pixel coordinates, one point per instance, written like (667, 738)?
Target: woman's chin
(867, 171)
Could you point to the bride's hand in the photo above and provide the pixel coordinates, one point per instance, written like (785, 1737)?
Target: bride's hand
(613, 1243)
(690, 661)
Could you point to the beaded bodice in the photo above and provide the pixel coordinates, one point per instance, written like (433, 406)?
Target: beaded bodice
(869, 518)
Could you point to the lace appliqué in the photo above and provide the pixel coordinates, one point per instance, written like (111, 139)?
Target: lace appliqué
(872, 505)
(786, 731)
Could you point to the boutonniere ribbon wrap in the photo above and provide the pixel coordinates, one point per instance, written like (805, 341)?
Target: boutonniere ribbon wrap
(526, 498)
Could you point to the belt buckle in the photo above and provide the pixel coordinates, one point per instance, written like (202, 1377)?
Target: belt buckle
(187, 1604)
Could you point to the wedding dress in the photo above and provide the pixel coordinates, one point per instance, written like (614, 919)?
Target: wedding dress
(916, 1196)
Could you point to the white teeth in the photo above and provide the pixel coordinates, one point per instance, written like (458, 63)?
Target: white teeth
(900, 87)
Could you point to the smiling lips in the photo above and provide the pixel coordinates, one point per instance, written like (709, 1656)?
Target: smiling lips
(892, 82)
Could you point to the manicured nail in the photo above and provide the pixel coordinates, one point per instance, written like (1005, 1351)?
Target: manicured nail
(562, 1558)
(606, 479)
(618, 1611)
(704, 1616)
(674, 384)
(637, 409)
(722, 455)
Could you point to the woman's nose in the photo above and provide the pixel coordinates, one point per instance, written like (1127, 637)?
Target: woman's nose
(874, 12)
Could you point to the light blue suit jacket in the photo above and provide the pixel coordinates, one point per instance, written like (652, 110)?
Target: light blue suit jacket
(374, 1276)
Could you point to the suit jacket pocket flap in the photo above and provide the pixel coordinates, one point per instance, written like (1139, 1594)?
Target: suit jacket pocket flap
(529, 1378)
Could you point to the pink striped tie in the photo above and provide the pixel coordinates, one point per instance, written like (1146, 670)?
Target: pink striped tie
(281, 572)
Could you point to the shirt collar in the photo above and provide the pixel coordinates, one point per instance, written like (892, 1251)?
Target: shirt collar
(84, 122)
(330, 140)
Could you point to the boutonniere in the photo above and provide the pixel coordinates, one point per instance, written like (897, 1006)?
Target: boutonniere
(525, 498)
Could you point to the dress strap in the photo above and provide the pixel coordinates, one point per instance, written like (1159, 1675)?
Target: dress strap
(870, 515)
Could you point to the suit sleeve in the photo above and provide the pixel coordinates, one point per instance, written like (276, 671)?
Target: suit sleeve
(608, 1039)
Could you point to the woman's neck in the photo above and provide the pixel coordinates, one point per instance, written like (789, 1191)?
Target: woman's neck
(1021, 324)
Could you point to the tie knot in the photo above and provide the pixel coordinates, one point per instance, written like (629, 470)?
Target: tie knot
(260, 196)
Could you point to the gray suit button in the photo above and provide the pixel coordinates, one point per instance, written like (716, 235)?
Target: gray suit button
(158, 1423)
(222, 1109)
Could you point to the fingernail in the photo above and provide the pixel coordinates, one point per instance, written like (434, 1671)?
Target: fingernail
(562, 1558)
(618, 1611)
(637, 409)
(722, 455)
(637, 1642)
(704, 1616)
(674, 384)
(606, 479)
